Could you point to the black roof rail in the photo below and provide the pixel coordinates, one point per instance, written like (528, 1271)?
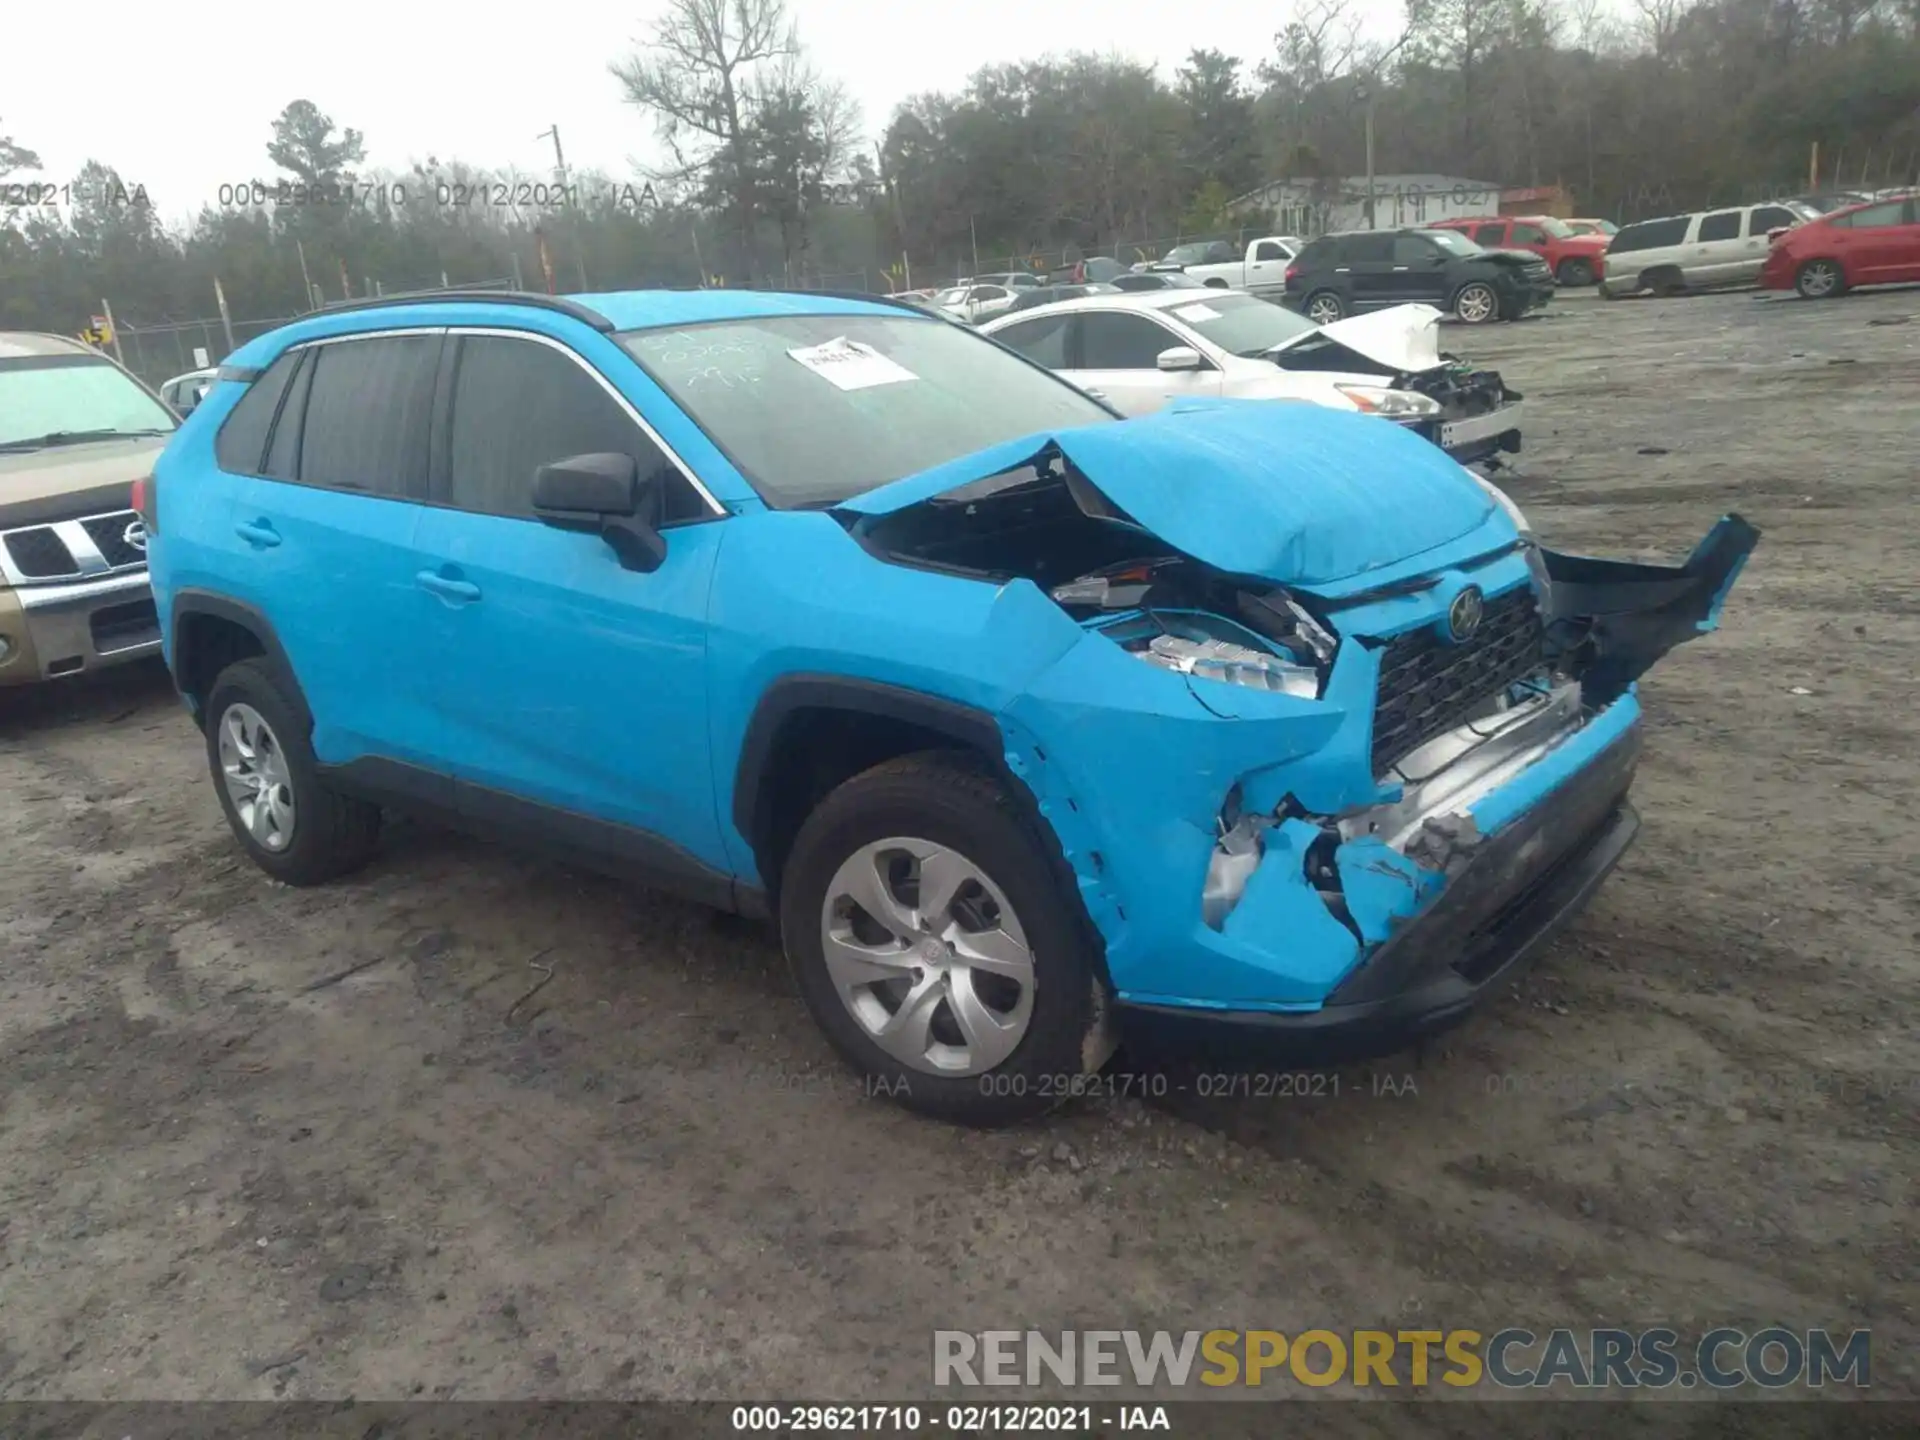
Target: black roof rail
(531, 300)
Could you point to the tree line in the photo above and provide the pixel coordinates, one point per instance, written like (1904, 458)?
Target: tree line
(769, 178)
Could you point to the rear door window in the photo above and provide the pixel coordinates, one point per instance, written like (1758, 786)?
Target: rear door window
(367, 409)
(1110, 341)
(1489, 234)
(1721, 225)
(1368, 249)
(1529, 235)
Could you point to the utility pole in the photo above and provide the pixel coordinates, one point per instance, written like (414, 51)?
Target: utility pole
(1366, 97)
(566, 198)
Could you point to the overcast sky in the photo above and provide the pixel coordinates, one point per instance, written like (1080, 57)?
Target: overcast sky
(179, 98)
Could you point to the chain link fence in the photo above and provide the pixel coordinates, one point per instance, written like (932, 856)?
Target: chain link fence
(158, 351)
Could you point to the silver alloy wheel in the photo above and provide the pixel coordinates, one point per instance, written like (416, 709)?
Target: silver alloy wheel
(1476, 303)
(927, 955)
(1323, 309)
(255, 771)
(1818, 280)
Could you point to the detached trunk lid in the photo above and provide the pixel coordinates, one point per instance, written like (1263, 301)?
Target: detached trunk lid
(1291, 493)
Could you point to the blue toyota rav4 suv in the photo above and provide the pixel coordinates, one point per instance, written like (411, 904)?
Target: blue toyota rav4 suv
(1030, 726)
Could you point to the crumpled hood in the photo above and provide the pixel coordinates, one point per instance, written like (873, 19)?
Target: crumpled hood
(1403, 338)
(1292, 493)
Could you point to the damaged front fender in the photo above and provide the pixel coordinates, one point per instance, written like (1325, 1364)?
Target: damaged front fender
(1611, 620)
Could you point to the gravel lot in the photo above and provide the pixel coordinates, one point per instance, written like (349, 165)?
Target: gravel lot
(469, 1125)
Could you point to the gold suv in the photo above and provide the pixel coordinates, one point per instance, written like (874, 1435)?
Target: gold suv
(76, 431)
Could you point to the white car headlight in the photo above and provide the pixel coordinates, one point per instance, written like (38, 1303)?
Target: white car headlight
(1389, 403)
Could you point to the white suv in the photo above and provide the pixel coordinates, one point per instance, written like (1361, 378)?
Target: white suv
(1703, 251)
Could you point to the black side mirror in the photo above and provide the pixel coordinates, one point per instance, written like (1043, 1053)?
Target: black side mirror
(605, 495)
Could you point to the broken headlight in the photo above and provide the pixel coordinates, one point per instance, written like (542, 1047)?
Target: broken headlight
(1388, 403)
(1213, 648)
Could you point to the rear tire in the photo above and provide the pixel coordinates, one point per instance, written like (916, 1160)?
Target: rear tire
(998, 1006)
(1665, 283)
(291, 823)
(1574, 274)
(1820, 280)
(1324, 307)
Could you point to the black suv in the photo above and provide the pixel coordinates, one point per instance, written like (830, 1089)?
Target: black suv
(1337, 275)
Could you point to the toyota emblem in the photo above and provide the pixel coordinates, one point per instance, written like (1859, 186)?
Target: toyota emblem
(135, 536)
(1463, 616)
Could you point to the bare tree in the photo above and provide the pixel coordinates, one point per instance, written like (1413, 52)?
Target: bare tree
(1659, 23)
(700, 77)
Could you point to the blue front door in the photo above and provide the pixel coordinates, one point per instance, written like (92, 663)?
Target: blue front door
(561, 678)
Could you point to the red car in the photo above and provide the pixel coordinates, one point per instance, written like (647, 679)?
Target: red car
(1873, 244)
(1575, 259)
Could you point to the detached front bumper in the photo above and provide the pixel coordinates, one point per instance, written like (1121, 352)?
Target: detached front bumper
(1519, 888)
(1475, 438)
(50, 631)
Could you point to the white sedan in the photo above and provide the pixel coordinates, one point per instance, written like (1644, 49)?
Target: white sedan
(975, 302)
(1138, 352)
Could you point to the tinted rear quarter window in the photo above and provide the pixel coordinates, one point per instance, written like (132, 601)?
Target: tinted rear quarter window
(366, 415)
(1322, 254)
(1368, 249)
(1649, 235)
(242, 440)
(521, 404)
(1043, 341)
(1489, 234)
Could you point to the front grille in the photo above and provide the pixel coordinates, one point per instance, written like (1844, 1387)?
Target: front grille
(1428, 686)
(40, 554)
(109, 536)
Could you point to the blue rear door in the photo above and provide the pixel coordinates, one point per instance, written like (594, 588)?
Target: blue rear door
(323, 543)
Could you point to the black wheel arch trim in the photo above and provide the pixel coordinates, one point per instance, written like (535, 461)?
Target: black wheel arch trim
(188, 602)
(753, 798)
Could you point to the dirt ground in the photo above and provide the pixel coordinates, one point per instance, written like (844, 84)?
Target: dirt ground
(473, 1126)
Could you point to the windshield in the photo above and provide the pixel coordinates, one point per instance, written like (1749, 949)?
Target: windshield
(1558, 229)
(1453, 242)
(814, 409)
(43, 397)
(1242, 324)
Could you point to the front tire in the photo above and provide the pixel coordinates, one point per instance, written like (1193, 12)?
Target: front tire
(1476, 303)
(291, 823)
(1820, 280)
(934, 946)
(1575, 273)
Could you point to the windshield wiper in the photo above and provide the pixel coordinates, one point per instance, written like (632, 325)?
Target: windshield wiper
(75, 437)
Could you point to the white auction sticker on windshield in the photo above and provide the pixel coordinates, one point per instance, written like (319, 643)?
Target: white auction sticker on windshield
(851, 365)
(1197, 312)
